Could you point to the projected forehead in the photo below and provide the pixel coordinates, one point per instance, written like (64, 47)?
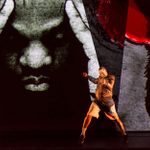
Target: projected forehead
(35, 16)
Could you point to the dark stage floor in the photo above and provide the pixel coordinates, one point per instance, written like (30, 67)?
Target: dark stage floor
(42, 141)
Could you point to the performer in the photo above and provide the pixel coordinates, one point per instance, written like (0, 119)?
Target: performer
(103, 102)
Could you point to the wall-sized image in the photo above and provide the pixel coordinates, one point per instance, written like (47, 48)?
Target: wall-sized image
(45, 46)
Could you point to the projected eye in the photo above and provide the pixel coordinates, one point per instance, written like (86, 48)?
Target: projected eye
(12, 40)
(53, 40)
(59, 36)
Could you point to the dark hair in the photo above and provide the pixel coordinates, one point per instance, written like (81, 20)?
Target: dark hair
(102, 67)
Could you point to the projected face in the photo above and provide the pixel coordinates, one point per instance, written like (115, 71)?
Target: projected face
(34, 46)
(41, 65)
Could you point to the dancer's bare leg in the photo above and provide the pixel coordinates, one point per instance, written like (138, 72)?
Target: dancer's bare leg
(92, 112)
(86, 123)
(114, 116)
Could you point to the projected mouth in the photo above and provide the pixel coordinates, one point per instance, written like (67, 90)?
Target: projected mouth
(34, 83)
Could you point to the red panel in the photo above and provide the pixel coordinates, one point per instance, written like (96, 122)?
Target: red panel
(112, 16)
(125, 18)
(137, 24)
